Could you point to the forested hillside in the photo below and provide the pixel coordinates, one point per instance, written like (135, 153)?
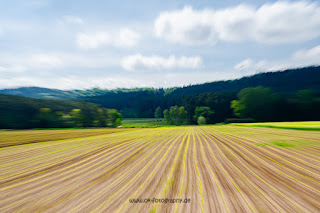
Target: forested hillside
(288, 81)
(292, 94)
(142, 103)
(20, 112)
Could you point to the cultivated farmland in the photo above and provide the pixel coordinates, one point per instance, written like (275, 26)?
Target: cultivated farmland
(219, 168)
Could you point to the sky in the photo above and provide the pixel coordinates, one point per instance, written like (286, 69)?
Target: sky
(82, 44)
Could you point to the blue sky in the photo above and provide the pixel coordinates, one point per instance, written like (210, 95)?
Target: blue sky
(80, 44)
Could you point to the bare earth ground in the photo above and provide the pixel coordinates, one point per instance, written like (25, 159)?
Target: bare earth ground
(19, 137)
(220, 169)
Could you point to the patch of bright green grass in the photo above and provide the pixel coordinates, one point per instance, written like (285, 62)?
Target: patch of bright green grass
(142, 123)
(283, 144)
(261, 144)
(303, 125)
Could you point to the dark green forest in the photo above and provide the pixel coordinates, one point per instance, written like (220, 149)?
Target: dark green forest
(23, 113)
(290, 95)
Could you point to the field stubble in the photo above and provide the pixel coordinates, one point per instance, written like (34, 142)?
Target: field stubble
(220, 169)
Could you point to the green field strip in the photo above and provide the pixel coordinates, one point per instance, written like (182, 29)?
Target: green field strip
(86, 143)
(148, 144)
(169, 139)
(54, 144)
(212, 173)
(228, 175)
(255, 186)
(296, 143)
(268, 132)
(81, 146)
(170, 176)
(286, 150)
(149, 176)
(200, 185)
(244, 141)
(67, 174)
(273, 177)
(96, 175)
(183, 171)
(277, 170)
(100, 174)
(76, 155)
(49, 143)
(285, 153)
(10, 144)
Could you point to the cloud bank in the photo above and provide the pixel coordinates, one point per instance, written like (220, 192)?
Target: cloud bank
(124, 38)
(279, 22)
(139, 62)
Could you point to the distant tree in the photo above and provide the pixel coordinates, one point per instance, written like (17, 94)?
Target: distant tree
(47, 119)
(114, 118)
(182, 117)
(306, 105)
(167, 116)
(258, 103)
(205, 112)
(176, 115)
(158, 112)
(238, 108)
(77, 117)
(201, 120)
(101, 117)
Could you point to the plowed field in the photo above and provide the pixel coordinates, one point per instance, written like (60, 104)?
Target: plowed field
(211, 169)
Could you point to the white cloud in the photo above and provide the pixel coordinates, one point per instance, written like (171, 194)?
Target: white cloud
(301, 58)
(75, 82)
(45, 61)
(310, 56)
(186, 26)
(127, 38)
(250, 66)
(73, 19)
(93, 40)
(124, 38)
(279, 22)
(243, 65)
(139, 62)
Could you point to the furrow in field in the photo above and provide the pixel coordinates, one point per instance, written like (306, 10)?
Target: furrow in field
(149, 187)
(263, 199)
(278, 151)
(211, 182)
(292, 168)
(169, 187)
(87, 154)
(305, 193)
(65, 153)
(86, 179)
(236, 199)
(183, 186)
(74, 170)
(220, 168)
(112, 189)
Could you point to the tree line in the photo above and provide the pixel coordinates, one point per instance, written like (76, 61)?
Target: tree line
(260, 104)
(23, 113)
(142, 102)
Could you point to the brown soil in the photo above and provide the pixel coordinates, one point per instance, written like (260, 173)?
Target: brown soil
(218, 170)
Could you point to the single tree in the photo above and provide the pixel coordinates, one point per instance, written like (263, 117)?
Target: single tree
(201, 120)
(167, 116)
(77, 117)
(158, 113)
(258, 103)
(205, 112)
